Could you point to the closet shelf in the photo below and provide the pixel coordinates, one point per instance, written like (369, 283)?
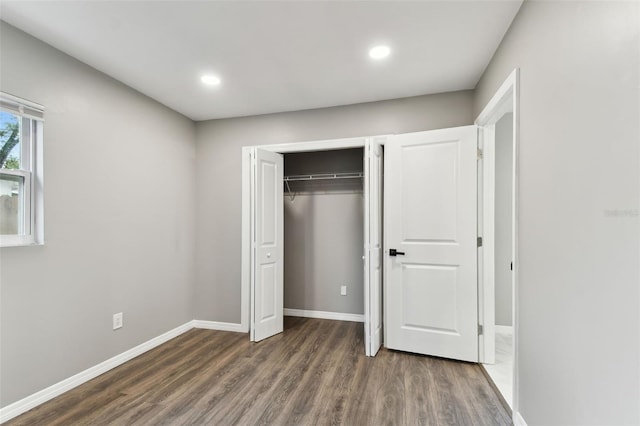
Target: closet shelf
(323, 176)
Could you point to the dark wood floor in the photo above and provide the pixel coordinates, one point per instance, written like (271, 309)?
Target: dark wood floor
(313, 373)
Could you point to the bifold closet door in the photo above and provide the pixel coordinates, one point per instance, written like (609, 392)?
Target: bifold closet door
(268, 240)
(373, 247)
(431, 292)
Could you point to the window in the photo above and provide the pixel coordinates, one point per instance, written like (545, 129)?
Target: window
(21, 207)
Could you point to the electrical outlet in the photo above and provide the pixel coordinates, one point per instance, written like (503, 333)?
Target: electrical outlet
(117, 320)
(343, 290)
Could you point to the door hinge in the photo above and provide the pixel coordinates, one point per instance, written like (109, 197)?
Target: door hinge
(480, 329)
(479, 154)
(479, 241)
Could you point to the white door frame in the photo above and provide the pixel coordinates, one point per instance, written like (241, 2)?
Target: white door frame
(506, 99)
(322, 145)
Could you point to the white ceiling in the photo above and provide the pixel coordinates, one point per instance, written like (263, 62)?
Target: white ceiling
(273, 56)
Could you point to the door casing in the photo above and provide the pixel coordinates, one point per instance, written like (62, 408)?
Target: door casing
(246, 293)
(506, 99)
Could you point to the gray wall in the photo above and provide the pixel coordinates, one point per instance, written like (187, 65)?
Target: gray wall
(323, 232)
(503, 221)
(323, 249)
(119, 214)
(579, 228)
(218, 180)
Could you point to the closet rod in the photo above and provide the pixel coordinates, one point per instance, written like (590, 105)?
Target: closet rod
(324, 176)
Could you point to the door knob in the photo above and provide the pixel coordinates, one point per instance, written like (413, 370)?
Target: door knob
(394, 252)
(268, 254)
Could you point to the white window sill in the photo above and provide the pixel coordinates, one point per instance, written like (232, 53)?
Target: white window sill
(10, 241)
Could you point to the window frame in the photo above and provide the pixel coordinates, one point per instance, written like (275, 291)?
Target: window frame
(31, 226)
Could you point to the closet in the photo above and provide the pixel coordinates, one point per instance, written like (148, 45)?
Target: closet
(323, 207)
(311, 232)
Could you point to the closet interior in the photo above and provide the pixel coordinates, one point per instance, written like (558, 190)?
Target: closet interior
(323, 232)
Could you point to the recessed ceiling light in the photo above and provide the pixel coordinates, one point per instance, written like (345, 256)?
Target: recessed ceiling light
(210, 80)
(379, 52)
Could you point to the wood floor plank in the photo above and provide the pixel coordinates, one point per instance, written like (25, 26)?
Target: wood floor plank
(315, 373)
(419, 382)
(390, 397)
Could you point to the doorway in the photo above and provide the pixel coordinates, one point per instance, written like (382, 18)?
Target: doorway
(323, 234)
(498, 131)
(264, 237)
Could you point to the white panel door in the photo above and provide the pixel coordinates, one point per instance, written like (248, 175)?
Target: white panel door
(268, 250)
(373, 247)
(431, 222)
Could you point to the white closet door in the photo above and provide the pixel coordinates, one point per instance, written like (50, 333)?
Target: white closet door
(268, 253)
(431, 221)
(373, 247)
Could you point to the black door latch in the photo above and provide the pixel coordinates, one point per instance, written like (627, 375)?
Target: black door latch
(394, 252)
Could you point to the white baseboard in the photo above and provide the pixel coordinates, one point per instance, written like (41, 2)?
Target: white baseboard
(221, 326)
(12, 410)
(323, 315)
(518, 420)
(504, 329)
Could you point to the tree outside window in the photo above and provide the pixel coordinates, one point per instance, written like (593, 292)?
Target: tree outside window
(9, 159)
(9, 141)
